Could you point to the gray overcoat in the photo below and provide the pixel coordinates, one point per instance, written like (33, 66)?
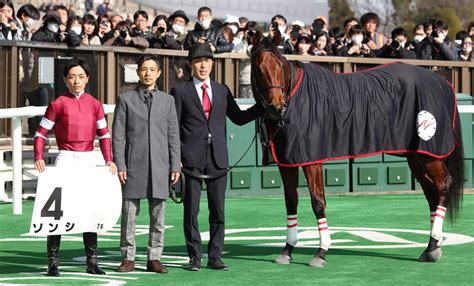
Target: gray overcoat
(145, 141)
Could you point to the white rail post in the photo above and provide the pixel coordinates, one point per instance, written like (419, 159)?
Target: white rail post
(17, 166)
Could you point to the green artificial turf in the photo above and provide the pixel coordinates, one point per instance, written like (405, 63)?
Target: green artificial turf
(24, 262)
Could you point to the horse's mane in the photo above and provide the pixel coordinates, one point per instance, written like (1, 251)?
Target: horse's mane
(267, 44)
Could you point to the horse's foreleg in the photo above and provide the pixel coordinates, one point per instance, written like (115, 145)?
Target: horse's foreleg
(435, 181)
(290, 182)
(314, 177)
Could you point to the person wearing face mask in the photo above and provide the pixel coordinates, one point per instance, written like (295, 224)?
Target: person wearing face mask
(27, 14)
(465, 53)
(74, 31)
(358, 46)
(278, 23)
(161, 39)
(205, 32)
(124, 37)
(49, 32)
(178, 21)
(436, 46)
(395, 48)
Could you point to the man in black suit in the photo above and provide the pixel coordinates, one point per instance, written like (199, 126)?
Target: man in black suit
(202, 106)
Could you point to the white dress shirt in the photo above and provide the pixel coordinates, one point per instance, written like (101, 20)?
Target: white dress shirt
(198, 84)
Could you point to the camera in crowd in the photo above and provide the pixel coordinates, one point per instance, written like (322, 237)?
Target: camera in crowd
(367, 38)
(338, 43)
(395, 45)
(123, 34)
(274, 26)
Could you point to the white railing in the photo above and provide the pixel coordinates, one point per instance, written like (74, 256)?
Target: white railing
(16, 115)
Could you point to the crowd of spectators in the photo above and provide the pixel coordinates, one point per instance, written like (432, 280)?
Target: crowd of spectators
(357, 38)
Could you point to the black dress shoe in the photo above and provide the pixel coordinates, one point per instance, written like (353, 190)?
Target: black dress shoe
(217, 264)
(93, 268)
(53, 270)
(194, 264)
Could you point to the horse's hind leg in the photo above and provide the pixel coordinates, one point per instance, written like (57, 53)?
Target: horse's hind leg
(314, 177)
(290, 183)
(435, 181)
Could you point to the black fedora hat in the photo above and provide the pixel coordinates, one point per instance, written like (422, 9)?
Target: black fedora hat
(200, 50)
(179, 13)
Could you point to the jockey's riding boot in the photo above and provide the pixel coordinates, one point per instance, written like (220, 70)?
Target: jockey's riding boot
(90, 245)
(52, 243)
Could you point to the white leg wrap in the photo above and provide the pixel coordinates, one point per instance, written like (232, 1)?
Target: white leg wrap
(437, 229)
(292, 229)
(324, 237)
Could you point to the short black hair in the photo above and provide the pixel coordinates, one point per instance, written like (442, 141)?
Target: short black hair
(147, 57)
(461, 34)
(204, 9)
(74, 62)
(356, 29)
(29, 10)
(442, 25)
(429, 23)
(278, 16)
(370, 16)
(138, 13)
(399, 31)
(336, 33)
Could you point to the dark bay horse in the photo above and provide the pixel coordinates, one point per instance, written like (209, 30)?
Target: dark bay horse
(396, 109)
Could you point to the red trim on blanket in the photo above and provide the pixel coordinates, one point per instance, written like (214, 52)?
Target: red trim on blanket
(297, 84)
(272, 147)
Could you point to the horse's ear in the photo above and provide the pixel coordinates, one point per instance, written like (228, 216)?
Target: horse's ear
(256, 38)
(276, 39)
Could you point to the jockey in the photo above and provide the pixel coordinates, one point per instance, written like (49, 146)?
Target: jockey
(76, 118)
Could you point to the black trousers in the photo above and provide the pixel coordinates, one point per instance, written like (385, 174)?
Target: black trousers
(215, 196)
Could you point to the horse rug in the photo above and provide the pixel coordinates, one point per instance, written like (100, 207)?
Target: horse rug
(395, 108)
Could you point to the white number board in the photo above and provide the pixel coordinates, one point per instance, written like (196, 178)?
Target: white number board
(76, 200)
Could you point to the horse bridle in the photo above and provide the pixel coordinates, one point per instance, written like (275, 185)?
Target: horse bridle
(285, 92)
(268, 111)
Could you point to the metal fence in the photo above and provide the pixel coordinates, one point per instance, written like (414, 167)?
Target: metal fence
(31, 73)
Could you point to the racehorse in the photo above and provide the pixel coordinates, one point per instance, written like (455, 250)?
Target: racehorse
(314, 115)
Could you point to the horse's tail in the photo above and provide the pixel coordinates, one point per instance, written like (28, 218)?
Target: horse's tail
(455, 165)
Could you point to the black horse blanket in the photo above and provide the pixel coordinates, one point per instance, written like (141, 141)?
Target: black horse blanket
(395, 108)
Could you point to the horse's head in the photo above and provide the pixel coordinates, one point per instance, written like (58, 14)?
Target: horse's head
(270, 74)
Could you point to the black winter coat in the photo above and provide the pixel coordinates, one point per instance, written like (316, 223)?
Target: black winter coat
(213, 35)
(45, 35)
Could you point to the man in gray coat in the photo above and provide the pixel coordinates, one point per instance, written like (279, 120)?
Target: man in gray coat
(146, 149)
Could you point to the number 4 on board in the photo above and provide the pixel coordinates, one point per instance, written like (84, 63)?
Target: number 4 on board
(55, 199)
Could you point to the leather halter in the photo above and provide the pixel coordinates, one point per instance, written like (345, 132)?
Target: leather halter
(285, 92)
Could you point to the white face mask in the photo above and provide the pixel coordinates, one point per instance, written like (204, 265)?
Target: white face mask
(418, 38)
(178, 28)
(53, 27)
(234, 29)
(458, 42)
(205, 24)
(467, 50)
(357, 39)
(77, 30)
(237, 41)
(282, 29)
(29, 22)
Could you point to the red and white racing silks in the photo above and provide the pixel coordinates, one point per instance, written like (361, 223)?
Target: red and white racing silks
(76, 122)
